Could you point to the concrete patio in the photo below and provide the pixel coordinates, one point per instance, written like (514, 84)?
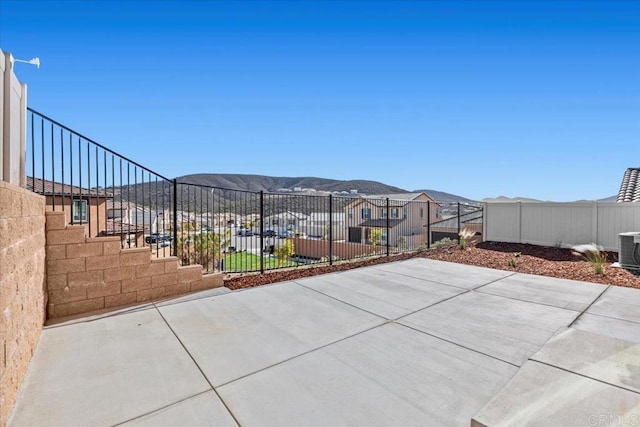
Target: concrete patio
(416, 342)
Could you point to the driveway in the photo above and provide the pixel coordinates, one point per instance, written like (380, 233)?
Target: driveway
(417, 342)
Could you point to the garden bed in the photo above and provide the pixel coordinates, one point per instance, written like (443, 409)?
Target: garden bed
(521, 258)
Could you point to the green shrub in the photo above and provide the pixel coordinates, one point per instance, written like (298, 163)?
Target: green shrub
(443, 243)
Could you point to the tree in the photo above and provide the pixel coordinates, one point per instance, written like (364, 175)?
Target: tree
(375, 236)
(205, 249)
(285, 251)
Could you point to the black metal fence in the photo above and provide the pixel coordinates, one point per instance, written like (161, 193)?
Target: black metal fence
(223, 229)
(106, 192)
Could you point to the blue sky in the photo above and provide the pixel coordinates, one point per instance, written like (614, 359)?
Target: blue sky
(536, 99)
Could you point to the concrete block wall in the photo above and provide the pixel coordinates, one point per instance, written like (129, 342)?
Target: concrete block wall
(22, 286)
(89, 274)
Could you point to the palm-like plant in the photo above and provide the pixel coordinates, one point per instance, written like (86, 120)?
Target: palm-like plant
(594, 254)
(465, 235)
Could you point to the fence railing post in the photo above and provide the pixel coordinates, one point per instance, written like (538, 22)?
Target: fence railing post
(261, 231)
(484, 222)
(428, 224)
(459, 219)
(388, 228)
(175, 217)
(330, 229)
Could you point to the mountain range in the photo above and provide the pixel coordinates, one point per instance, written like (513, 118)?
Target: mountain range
(273, 184)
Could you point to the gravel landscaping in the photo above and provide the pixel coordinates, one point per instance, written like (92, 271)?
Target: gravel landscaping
(522, 258)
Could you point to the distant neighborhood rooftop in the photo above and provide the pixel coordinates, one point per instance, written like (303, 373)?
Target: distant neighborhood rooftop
(51, 188)
(630, 187)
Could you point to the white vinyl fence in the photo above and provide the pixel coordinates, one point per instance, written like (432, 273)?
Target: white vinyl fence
(560, 224)
(13, 112)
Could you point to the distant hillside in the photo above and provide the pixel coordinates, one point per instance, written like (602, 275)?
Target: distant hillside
(509, 199)
(273, 184)
(526, 199)
(609, 199)
(158, 196)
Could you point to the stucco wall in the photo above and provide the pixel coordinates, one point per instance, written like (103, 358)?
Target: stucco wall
(22, 293)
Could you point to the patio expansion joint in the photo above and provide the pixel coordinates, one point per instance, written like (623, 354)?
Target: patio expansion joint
(460, 345)
(427, 280)
(304, 353)
(339, 300)
(612, 318)
(527, 301)
(589, 306)
(161, 408)
(197, 366)
(582, 375)
(494, 281)
(431, 305)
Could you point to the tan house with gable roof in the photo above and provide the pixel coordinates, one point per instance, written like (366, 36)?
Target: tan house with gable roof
(80, 205)
(406, 214)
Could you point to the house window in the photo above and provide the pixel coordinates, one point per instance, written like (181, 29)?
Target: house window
(350, 213)
(79, 210)
(421, 212)
(383, 213)
(366, 213)
(394, 213)
(404, 212)
(383, 237)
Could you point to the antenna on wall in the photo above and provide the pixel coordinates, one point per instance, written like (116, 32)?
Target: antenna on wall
(33, 61)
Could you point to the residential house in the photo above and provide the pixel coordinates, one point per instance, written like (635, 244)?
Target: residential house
(630, 187)
(131, 222)
(318, 223)
(287, 220)
(86, 206)
(404, 215)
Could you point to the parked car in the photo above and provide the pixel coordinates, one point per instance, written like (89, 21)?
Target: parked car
(244, 232)
(285, 234)
(269, 233)
(158, 238)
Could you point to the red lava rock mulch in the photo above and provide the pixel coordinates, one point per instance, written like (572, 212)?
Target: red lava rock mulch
(532, 259)
(541, 260)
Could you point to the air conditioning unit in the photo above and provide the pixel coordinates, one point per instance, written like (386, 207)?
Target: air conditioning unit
(629, 250)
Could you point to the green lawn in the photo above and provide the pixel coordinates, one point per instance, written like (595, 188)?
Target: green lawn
(244, 261)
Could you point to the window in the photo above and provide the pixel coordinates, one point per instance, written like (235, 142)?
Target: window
(421, 212)
(79, 210)
(395, 213)
(404, 212)
(350, 213)
(366, 213)
(383, 237)
(383, 213)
